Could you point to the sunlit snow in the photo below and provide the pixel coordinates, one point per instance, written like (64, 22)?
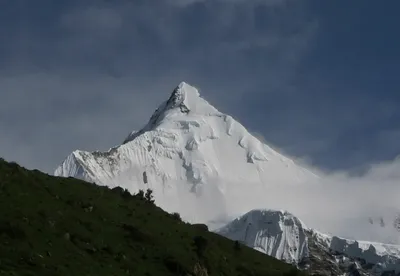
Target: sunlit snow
(199, 161)
(209, 168)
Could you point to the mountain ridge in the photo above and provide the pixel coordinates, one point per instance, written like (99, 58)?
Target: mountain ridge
(282, 235)
(181, 98)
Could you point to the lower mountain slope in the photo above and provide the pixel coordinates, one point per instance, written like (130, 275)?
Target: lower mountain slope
(64, 226)
(283, 236)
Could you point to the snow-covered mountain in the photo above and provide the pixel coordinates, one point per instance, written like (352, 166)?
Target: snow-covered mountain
(276, 233)
(209, 168)
(198, 161)
(283, 236)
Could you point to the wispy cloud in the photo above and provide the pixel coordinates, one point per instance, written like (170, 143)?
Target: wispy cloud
(360, 207)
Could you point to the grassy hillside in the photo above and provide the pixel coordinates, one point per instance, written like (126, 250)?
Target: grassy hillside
(58, 226)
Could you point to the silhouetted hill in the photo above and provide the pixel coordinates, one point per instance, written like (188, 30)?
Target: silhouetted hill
(64, 226)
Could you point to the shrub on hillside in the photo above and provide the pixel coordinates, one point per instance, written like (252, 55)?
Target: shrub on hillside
(149, 196)
(176, 216)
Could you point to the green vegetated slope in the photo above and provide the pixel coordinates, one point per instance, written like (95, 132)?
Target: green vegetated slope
(64, 226)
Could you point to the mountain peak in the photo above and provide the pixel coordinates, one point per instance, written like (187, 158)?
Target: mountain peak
(185, 100)
(184, 87)
(191, 154)
(182, 96)
(276, 233)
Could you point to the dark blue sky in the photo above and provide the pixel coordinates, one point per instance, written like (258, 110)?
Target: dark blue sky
(317, 79)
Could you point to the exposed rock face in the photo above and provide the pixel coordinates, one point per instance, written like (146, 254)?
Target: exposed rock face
(199, 270)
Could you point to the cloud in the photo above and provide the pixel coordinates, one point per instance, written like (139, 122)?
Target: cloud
(83, 75)
(60, 114)
(358, 205)
(100, 21)
(339, 204)
(183, 3)
(350, 200)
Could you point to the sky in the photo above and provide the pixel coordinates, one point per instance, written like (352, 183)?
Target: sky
(317, 80)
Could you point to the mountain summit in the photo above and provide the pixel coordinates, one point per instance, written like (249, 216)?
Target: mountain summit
(184, 99)
(198, 161)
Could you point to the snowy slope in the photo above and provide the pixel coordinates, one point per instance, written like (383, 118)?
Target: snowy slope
(383, 257)
(283, 236)
(276, 233)
(198, 161)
